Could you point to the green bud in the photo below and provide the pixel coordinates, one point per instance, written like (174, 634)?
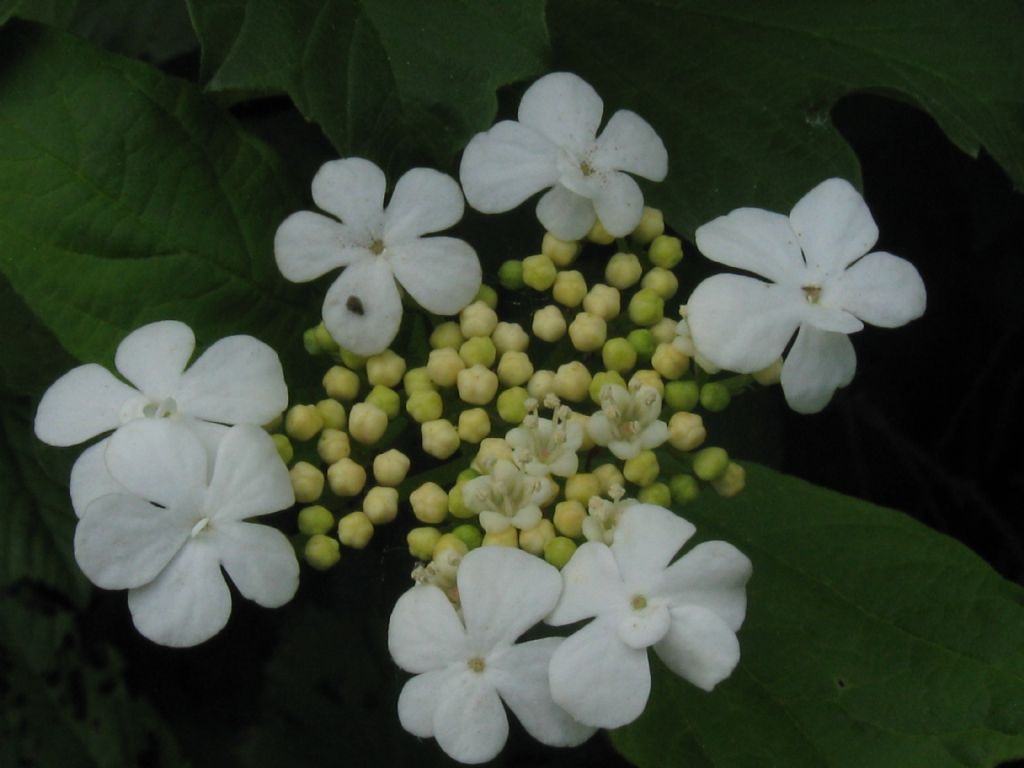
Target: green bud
(456, 506)
(559, 551)
(466, 475)
(309, 341)
(510, 274)
(643, 342)
(715, 397)
(446, 336)
(284, 447)
(539, 272)
(646, 307)
(315, 519)
(417, 380)
(710, 463)
(386, 399)
(600, 379)
(512, 405)
(425, 405)
(682, 395)
(652, 224)
(333, 413)
(478, 351)
(684, 488)
(322, 552)
(488, 296)
(352, 360)
(642, 469)
(422, 541)
(324, 339)
(469, 535)
(656, 493)
(618, 355)
(666, 251)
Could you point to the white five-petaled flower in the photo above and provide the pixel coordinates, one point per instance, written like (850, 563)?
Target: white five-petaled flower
(689, 611)
(378, 246)
(238, 380)
(507, 496)
(628, 420)
(555, 145)
(167, 534)
(466, 667)
(823, 288)
(547, 446)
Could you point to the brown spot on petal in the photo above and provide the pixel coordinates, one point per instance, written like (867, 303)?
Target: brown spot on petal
(355, 306)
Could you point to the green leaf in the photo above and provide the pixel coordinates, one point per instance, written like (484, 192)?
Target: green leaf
(378, 76)
(741, 91)
(870, 640)
(125, 198)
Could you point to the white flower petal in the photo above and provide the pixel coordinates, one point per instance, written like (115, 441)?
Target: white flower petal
(624, 449)
(598, 679)
(308, 245)
(424, 632)
(619, 204)
(153, 357)
(640, 629)
(494, 522)
(506, 165)
(629, 143)
(249, 478)
(259, 559)
(881, 289)
(238, 380)
(362, 309)
(741, 323)
(564, 108)
(757, 241)
(592, 585)
(647, 537)
(210, 435)
(712, 575)
(188, 603)
(424, 201)
(699, 647)
(599, 428)
(418, 701)
(84, 402)
(469, 723)
(565, 214)
(831, 319)
(123, 541)
(819, 363)
(441, 273)
(834, 227)
(654, 434)
(520, 675)
(504, 592)
(91, 479)
(159, 460)
(353, 190)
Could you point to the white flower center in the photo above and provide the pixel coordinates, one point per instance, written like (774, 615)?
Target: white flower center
(476, 664)
(377, 247)
(638, 602)
(812, 293)
(199, 527)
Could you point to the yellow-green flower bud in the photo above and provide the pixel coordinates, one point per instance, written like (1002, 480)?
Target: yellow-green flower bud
(444, 365)
(510, 274)
(429, 503)
(352, 360)
(322, 552)
(474, 425)
(572, 381)
(533, 540)
(422, 541)
(477, 319)
(655, 493)
(514, 369)
(541, 384)
(470, 535)
(367, 423)
(715, 397)
(539, 272)
(669, 361)
(643, 342)
(315, 519)
(284, 447)
(449, 543)
(490, 451)
(307, 482)
(303, 422)
(333, 446)
(440, 439)
(664, 331)
(598, 234)
(647, 378)
(381, 504)
(512, 405)
(333, 413)
(731, 482)
(487, 295)
(642, 469)
(682, 395)
(469, 473)
(477, 385)
(588, 332)
(623, 270)
(652, 224)
(346, 477)
(424, 406)
(324, 339)
(569, 516)
(355, 530)
(479, 350)
(618, 355)
(510, 337)
(609, 475)
(548, 323)
(665, 251)
(600, 379)
(581, 487)
(710, 463)
(662, 282)
(386, 369)
(446, 336)
(686, 431)
(604, 301)
(581, 418)
(770, 375)
(457, 505)
(559, 551)
(417, 380)
(561, 252)
(646, 307)
(569, 288)
(390, 467)
(506, 538)
(684, 488)
(310, 343)
(341, 383)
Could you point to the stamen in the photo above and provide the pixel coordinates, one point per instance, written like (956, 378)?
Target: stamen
(812, 293)
(476, 664)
